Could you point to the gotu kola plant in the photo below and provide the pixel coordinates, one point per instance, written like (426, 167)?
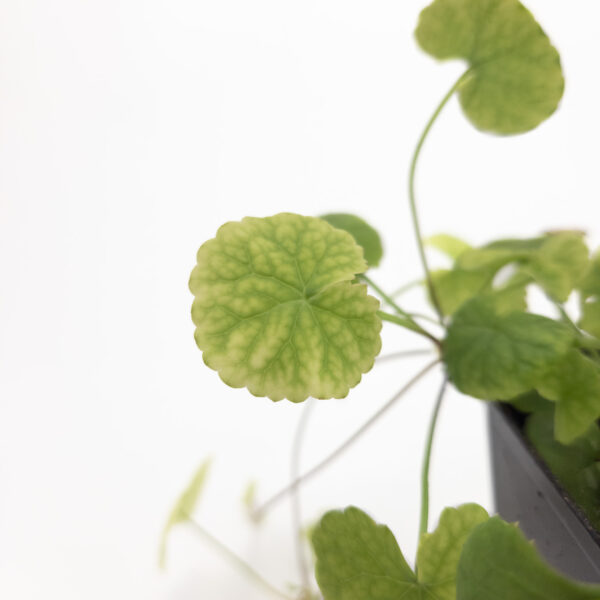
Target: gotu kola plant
(282, 307)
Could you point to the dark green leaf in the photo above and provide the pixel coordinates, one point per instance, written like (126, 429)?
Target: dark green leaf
(366, 237)
(496, 356)
(515, 77)
(497, 561)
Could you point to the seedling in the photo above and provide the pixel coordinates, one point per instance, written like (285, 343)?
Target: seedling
(282, 307)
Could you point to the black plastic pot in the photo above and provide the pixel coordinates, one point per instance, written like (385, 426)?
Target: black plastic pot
(526, 491)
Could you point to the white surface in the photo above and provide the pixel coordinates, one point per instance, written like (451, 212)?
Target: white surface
(129, 131)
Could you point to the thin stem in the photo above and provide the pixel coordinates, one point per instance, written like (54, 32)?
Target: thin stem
(402, 354)
(427, 460)
(385, 297)
(408, 323)
(259, 512)
(411, 194)
(295, 495)
(238, 562)
(416, 315)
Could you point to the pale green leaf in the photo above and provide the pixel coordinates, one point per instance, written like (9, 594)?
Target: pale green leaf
(497, 561)
(495, 356)
(448, 244)
(575, 465)
(590, 318)
(357, 559)
(184, 507)
(557, 262)
(573, 382)
(515, 78)
(275, 310)
(440, 551)
(365, 235)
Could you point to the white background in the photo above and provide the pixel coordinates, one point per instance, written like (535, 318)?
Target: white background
(129, 131)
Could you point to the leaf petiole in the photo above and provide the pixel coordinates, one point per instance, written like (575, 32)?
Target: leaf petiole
(408, 323)
(259, 513)
(411, 193)
(237, 561)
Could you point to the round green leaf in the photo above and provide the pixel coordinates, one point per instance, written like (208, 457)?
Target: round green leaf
(496, 356)
(276, 312)
(362, 232)
(515, 79)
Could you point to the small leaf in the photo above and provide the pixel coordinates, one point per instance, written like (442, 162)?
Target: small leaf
(497, 561)
(495, 356)
(275, 310)
(184, 507)
(440, 551)
(358, 559)
(364, 235)
(448, 244)
(590, 318)
(531, 402)
(573, 382)
(575, 465)
(515, 78)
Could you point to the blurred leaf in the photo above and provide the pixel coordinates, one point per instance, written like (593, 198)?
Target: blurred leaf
(275, 310)
(498, 562)
(440, 551)
(448, 244)
(364, 235)
(184, 507)
(590, 283)
(573, 382)
(515, 78)
(358, 559)
(495, 356)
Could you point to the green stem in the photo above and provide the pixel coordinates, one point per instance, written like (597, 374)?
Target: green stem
(406, 287)
(567, 319)
(386, 298)
(408, 323)
(427, 460)
(411, 193)
(261, 511)
(295, 495)
(237, 562)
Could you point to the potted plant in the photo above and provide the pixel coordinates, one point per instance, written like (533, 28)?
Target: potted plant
(282, 307)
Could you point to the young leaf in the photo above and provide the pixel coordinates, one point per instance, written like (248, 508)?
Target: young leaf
(359, 559)
(590, 318)
(184, 507)
(575, 465)
(448, 244)
(440, 551)
(515, 78)
(364, 235)
(573, 382)
(495, 356)
(454, 287)
(497, 561)
(275, 310)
